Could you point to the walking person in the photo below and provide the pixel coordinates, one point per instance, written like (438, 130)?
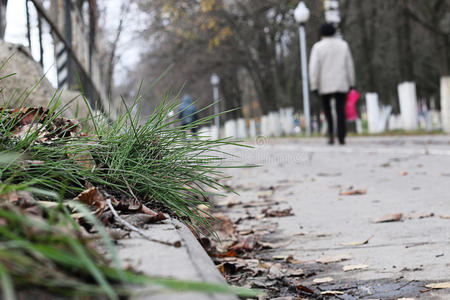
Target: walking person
(188, 113)
(332, 75)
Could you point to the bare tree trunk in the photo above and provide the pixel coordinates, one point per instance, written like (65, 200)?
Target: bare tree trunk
(113, 55)
(437, 10)
(407, 57)
(368, 36)
(232, 95)
(404, 49)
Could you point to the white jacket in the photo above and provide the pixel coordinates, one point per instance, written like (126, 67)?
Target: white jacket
(331, 67)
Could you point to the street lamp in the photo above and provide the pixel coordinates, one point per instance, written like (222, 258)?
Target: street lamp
(301, 15)
(215, 83)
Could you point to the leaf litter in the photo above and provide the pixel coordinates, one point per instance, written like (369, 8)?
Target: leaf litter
(247, 256)
(244, 255)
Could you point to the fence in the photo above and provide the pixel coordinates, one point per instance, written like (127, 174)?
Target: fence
(79, 61)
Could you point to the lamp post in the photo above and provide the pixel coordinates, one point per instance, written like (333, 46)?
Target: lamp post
(215, 83)
(301, 15)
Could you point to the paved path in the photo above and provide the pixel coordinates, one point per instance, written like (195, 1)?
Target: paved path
(408, 175)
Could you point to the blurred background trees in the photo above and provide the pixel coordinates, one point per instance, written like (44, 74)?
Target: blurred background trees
(253, 46)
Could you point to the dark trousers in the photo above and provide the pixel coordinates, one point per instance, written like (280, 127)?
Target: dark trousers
(340, 112)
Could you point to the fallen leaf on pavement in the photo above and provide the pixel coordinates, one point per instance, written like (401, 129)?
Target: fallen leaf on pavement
(305, 289)
(332, 293)
(229, 253)
(390, 218)
(245, 232)
(323, 280)
(93, 198)
(357, 243)
(266, 245)
(280, 257)
(230, 268)
(354, 267)
(248, 244)
(268, 213)
(333, 259)
(225, 224)
(291, 260)
(353, 192)
(296, 273)
(275, 272)
(439, 285)
(263, 284)
(404, 173)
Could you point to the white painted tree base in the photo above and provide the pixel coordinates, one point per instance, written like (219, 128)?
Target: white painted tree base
(445, 103)
(408, 105)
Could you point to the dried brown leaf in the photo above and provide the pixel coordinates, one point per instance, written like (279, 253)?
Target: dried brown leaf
(332, 293)
(305, 289)
(354, 267)
(273, 213)
(280, 257)
(93, 198)
(390, 218)
(351, 192)
(32, 118)
(357, 243)
(224, 224)
(291, 260)
(323, 280)
(333, 259)
(296, 273)
(439, 285)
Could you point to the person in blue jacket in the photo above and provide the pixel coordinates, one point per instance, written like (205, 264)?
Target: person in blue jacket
(188, 112)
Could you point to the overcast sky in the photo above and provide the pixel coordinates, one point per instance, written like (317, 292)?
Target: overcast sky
(129, 47)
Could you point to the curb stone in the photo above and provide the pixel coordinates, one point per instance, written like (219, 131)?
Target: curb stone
(188, 262)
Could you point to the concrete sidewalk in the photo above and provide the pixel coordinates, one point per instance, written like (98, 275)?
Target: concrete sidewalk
(408, 175)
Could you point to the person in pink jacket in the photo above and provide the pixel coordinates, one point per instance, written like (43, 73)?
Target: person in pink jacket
(332, 75)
